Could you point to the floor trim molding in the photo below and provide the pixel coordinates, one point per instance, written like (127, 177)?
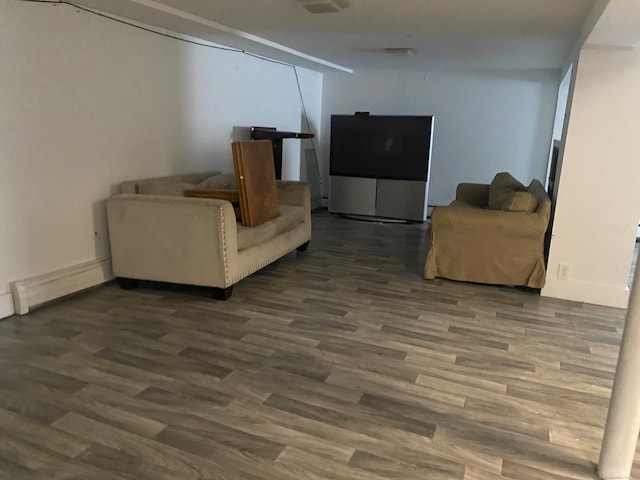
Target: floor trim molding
(6, 305)
(616, 296)
(43, 288)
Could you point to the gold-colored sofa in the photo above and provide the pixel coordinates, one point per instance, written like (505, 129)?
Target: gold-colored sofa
(491, 234)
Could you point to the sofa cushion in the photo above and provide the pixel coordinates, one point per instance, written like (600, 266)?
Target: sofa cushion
(290, 217)
(501, 189)
(226, 181)
(521, 202)
(163, 188)
(250, 236)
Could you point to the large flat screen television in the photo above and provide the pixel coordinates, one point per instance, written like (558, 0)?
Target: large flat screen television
(395, 147)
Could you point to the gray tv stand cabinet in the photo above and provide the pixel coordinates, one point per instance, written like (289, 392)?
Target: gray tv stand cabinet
(379, 198)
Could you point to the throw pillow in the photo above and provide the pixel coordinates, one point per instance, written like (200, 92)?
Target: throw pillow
(226, 181)
(521, 202)
(164, 188)
(536, 189)
(501, 188)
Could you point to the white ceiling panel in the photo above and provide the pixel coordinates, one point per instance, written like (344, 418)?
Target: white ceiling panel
(443, 34)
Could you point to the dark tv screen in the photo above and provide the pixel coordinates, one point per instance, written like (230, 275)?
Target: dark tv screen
(380, 146)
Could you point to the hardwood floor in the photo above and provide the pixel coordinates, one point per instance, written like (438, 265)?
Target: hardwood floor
(338, 363)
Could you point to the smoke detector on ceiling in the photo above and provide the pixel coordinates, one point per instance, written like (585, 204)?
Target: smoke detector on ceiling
(324, 6)
(400, 51)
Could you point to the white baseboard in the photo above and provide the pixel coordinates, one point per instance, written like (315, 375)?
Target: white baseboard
(587, 292)
(6, 305)
(43, 288)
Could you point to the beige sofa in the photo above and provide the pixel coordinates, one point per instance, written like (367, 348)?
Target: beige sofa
(158, 234)
(491, 234)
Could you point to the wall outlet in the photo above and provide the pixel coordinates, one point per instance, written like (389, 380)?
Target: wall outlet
(564, 270)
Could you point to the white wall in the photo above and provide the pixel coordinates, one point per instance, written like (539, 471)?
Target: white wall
(598, 202)
(86, 102)
(485, 122)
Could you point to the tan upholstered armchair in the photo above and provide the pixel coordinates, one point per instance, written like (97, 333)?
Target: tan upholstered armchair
(472, 242)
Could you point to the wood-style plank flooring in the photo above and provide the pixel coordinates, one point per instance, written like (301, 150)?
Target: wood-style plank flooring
(338, 363)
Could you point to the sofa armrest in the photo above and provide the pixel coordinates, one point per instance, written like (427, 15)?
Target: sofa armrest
(173, 239)
(473, 193)
(293, 193)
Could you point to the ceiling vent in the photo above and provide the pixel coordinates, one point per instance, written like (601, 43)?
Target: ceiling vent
(324, 6)
(400, 51)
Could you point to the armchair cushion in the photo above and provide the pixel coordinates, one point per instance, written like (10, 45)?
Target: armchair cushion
(521, 202)
(473, 194)
(502, 188)
(462, 204)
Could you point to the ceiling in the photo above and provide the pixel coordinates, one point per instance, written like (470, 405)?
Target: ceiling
(619, 25)
(443, 34)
